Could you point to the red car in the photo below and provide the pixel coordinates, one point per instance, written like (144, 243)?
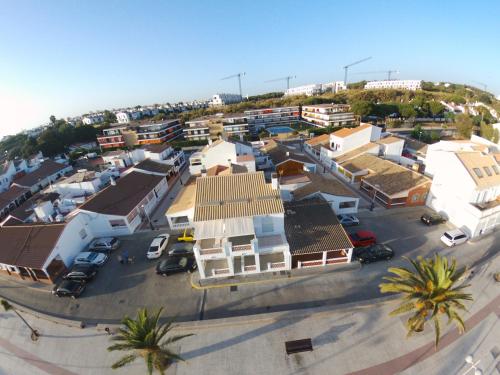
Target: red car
(363, 238)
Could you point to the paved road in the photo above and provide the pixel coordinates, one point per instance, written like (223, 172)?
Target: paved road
(120, 290)
(359, 340)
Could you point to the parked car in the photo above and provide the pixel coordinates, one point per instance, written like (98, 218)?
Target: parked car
(348, 220)
(373, 253)
(186, 236)
(69, 288)
(179, 249)
(105, 244)
(176, 264)
(157, 246)
(83, 272)
(454, 237)
(363, 238)
(432, 219)
(91, 257)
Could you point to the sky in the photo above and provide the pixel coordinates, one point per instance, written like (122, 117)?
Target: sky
(69, 57)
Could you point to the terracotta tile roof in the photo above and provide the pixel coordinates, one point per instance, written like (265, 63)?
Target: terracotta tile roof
(243, 158)
(389, 140)
(216, 170)
(417, 146)
(154, 166)
(390, 177)
(28, 245)
(496, 155)
(25, 210)
(355, 152)
(46, 169)
(346, 132)
(319, 140)
(294, 179)
(324, 185)
(11, 195)
(185, 199)
(121, 198)
(480, 168)
(279, 154)
(312, 227)
(235, 195)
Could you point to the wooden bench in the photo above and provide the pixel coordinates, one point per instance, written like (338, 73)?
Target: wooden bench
(297, 346)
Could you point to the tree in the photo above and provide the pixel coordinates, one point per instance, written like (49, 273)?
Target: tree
(484, 98)
(52, 119)
(429, 291)
(145, 338)
(464, 125)
(109, 117)
(407, 111)
(362, 107)
(488, 132)
(457, 99)
(436, 108)
(8, 307)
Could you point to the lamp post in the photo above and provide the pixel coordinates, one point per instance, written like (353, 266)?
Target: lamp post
(473, 365)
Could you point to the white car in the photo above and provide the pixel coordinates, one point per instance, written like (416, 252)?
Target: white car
(91, 257)
(454, 237)
(157, 246)
(348, 220)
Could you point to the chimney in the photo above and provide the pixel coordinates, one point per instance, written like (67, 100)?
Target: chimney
(274, 181)
(112, 181)
(203, 172)
(288, 153)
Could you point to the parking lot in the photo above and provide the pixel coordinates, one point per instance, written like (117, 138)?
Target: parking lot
(120, 289)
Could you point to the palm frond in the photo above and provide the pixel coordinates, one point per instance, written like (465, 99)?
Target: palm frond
(124, 361)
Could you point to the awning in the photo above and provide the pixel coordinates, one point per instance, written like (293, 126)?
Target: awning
(223, 228)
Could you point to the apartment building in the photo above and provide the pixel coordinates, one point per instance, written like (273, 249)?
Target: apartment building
(309, 90)
(324, 115)
(223, 153)
(214, 126)
(402, 84)
(92, 119)
(263, 118)
(466, 184)
(239, 226)
(223, 99)
(122, 117)
(140, 133)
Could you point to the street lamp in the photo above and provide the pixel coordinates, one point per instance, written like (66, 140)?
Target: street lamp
(473, 365)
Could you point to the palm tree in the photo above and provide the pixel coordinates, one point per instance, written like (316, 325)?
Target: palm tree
(8, 307)
(429, 292)
(145, 337)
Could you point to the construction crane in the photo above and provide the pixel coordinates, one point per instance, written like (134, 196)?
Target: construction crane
(485, 86)
(388, 72)
(346, 68)
(287, 79)
(239, 75)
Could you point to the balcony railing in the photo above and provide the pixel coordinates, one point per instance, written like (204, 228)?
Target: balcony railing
(215, 250)
(336, 260)
(220, 271)
(250, 268)
(272, 266)
(246, 247)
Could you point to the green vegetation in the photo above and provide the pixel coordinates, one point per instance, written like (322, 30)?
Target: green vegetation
(144, 337)
(464, 125)
(429, 291)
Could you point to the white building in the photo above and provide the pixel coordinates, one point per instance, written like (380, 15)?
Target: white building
(466, 184)
(48, 172)
(84, 183)
(123, 117)
(164, 153)
(244, 233)
(334, 86)
(222, 153)
(324, 115)
(92, 119)
(9, 170)
(180, 214)
(223, 99)
(263, 118)
(120, 208)
(404, 84)
(309, 90)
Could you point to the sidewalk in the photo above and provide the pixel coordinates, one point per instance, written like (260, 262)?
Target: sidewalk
(355, 340)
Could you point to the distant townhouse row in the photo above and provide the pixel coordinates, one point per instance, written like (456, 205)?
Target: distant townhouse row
(140, 133)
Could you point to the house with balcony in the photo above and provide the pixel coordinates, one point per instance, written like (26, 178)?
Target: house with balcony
(313, 145)
(224, 153)
(113, 137)
(180, 214)
(263, 118)
(164, 153)
(239, 226)
(466, 185)
(155, 132)
(212, 127)
(328, 115)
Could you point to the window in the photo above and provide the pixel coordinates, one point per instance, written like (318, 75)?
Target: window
(117, 223)
(347, 204)
(478, 172)
(487, 170)
(495, 169)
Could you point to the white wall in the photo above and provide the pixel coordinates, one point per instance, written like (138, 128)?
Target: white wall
(393, 150)
(278, 221)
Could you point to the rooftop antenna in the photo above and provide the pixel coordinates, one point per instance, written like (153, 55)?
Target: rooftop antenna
(287, 79)
(346, 68)
(239, 75)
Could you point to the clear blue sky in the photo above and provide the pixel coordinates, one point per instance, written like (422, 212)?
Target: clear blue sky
(69, 57)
